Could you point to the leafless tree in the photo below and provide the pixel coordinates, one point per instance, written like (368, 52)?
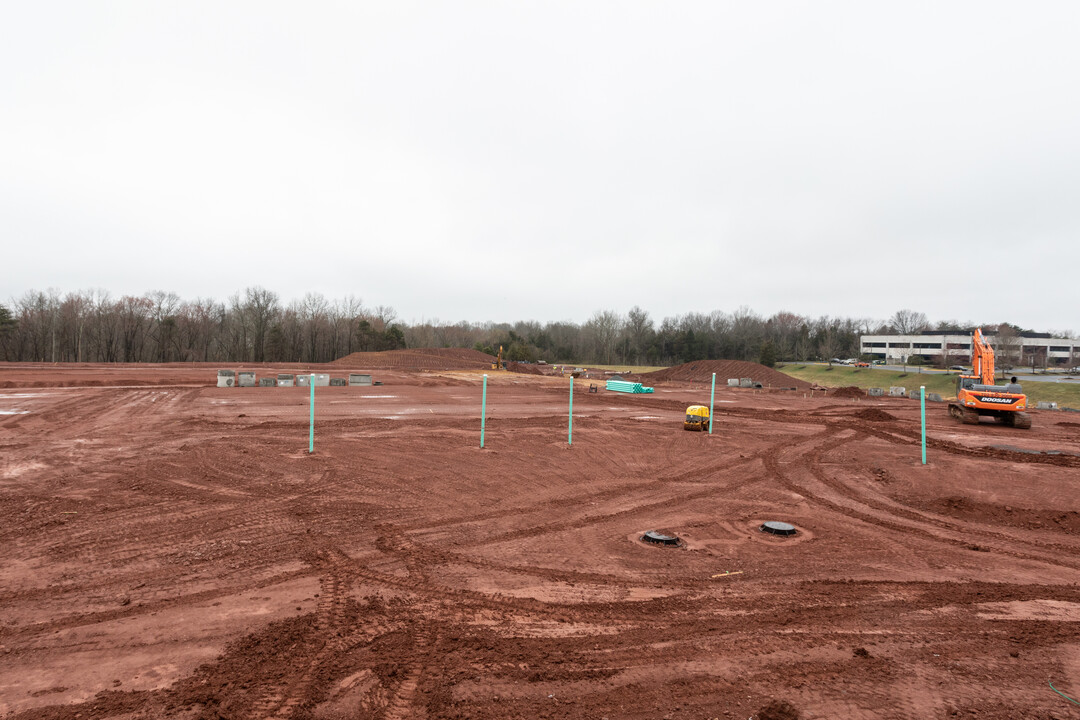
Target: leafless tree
(259, 309)
(908, 322)
(603, 328)
(1008, 346)
(639, 333)
(313, 314)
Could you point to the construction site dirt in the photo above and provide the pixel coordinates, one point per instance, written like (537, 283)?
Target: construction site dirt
(172, 550)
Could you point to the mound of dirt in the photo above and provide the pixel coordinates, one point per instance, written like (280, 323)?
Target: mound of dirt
(874, 415)
(418, 359)
(702, 370)
(847, 392)
(524, 368)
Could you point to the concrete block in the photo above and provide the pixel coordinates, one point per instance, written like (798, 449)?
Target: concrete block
(359, 379)
(246, 379)
(226, 378)
(337, 382)
(897, 391)
(746, 382)
(285, 380)
(303, 381)
(733, 382)
(1043, 405)
(876, 392)
(267, 382)
(322, 379)
(933, 397)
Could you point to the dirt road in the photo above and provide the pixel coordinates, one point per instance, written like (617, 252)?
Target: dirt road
(170, 549)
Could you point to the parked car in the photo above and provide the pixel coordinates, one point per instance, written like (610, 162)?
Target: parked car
(879, 362)
(862, 364)
(838, 361)
(961, 368)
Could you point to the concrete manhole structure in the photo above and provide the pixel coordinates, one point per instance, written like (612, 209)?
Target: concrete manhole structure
(775, 527)
(656, 537)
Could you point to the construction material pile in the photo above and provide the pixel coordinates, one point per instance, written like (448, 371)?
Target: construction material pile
(627, 387)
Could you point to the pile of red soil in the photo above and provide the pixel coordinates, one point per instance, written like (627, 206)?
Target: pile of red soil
(702, 370)
(524, 368)
(847, 392)
(874, 415)
(419, 359)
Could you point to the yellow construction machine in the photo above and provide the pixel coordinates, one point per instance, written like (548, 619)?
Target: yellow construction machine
(697, 418)
(978, 396)
(499, 364)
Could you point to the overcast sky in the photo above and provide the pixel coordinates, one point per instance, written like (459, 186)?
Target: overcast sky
(544, 160)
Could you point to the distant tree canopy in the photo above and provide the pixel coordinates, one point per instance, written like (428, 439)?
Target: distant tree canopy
(256, 326)
(8, 325)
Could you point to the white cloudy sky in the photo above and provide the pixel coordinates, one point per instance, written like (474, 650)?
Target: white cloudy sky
(544, 160)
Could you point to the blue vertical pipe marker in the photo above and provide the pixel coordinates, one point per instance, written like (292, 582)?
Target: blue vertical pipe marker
(922, 410)
(570, 434)
(483, 412)
(712, 397)
(311, 417)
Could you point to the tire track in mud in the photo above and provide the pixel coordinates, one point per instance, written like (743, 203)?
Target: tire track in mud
(335, 635)
(904, 436)
(145, 607)
(227, 541)
(282, 699)
(673, 498)
(107, 537)
(403, 703)
(895, 510)
(891, 517)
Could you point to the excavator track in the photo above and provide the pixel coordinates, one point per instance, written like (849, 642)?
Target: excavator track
(965, 415)
(1017, 420)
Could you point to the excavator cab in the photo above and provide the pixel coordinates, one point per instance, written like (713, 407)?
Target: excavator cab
(697, 418)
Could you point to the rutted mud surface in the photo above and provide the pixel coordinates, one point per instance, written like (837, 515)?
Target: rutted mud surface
(174, 551)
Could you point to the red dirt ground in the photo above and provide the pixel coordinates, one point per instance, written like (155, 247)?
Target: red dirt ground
(172, 550)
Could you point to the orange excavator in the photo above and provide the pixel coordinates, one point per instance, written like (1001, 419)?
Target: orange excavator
(978, 396)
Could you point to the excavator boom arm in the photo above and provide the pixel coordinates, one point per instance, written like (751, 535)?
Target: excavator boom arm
(982, 358)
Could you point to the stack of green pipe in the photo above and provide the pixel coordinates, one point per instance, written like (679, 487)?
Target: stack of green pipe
(627, 387)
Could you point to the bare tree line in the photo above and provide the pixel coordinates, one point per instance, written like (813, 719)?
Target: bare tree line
(255, 326)
(251, 326)
(634, 338)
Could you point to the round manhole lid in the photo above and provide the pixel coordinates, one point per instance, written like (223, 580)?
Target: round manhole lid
(778, 528)
(659, 538)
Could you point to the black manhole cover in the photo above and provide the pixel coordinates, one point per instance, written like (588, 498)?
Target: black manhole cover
(659, 538)
(778, 528)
